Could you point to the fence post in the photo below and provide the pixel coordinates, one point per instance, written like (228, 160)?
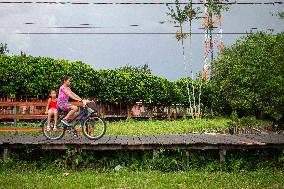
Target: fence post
(188, 154)
(14, 113)
(6, 154)
(73, 159)
(222, 153)
(155, 154)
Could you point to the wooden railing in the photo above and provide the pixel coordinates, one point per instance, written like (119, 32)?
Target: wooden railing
(43, 103)
(15, 115)
(11, 111)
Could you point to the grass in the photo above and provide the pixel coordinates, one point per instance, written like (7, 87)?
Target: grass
(40, 179)
(134, 127)
(153, 127)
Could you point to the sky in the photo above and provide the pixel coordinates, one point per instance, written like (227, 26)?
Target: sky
(162, 52)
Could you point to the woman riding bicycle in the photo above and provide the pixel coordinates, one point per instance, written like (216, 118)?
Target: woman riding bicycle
(63, 99)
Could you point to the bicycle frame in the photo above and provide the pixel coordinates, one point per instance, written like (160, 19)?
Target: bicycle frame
(83, 115)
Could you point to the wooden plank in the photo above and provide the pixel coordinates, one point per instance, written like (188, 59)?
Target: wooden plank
(23, 103)
(103, 140)
(269, 139)
(235, 140)
(23, 116)
(133, 141)
(176, 139)
(130, 141)
(80, 104)
(137, 141)
(244, 140)
(146, 140)
(152, 140)
(213, 139)
(112, 140)
(23, 129)
(119, 140)
(36, 116)
(28, 129)
(124, 140)
(163, 140)
(190, 141)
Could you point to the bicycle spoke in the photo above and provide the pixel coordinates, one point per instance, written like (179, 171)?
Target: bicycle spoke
(51, 132)
(94, 128)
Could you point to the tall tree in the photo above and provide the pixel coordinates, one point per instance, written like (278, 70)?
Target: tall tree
(180, 15)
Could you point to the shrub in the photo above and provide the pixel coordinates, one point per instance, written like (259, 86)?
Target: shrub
(248, 77)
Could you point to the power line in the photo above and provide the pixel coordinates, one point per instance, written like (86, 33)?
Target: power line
(134, 3)
(121, 33)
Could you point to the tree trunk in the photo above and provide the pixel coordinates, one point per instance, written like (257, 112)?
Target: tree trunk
(199, 97)
(169, 113)
(151, 114)
(185, 69)
(175, 113)
(129, 115)
(193, 109)
(191, 66)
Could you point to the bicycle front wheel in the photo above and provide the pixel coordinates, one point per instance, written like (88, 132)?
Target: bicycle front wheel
(52, 132)
(94, 128)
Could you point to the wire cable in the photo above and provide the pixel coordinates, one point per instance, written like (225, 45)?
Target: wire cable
(134, 3)
(121, 33)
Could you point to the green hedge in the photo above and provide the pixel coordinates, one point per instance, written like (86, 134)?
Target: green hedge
(37, 75)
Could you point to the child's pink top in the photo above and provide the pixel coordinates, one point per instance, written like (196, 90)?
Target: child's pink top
(61, 95)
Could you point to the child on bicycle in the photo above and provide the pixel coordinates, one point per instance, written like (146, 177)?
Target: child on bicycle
(63, 99)
(51, 109)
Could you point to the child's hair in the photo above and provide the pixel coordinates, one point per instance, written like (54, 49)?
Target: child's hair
(52, 90)
(64, 78)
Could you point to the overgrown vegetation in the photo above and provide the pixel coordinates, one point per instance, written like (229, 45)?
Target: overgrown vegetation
(30, 168)
(165, 160)
(248, 77)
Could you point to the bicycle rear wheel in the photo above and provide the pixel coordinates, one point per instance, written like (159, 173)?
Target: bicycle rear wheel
(94, 128)
(52, 133)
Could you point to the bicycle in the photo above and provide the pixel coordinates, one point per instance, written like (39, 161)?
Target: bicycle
(93, 126)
